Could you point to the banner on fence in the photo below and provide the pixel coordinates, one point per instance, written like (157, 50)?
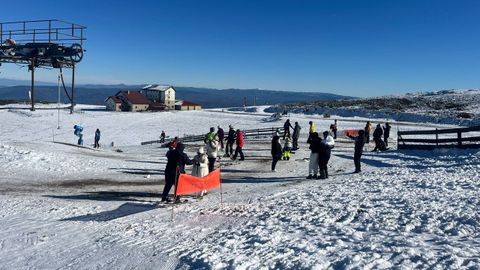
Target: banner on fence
(190, 184)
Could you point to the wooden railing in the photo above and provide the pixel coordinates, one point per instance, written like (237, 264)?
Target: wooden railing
(459, 137)
(247, 134)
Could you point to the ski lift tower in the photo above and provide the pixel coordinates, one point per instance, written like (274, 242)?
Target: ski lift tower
(43, 44)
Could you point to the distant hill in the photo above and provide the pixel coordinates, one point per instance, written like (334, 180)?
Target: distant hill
(207, 97)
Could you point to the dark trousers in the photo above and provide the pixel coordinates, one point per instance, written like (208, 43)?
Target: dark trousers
(286, 132)
(170, 178)
(274, 161)
(211, 164)
(229, 150)
(221, 142)
(367, 137)
(238, 150)
(385, 138)
(96, 144)
(295, 143)
(323, 164)
(377, 143)
(356, 160)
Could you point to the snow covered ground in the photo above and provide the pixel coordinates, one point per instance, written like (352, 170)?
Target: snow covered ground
(65, 207)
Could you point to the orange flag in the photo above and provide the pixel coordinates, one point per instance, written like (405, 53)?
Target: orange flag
(189, 184)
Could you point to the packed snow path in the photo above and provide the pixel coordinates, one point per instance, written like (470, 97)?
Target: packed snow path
(65, 207)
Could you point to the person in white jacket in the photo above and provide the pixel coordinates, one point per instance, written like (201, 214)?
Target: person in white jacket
(200, 164)
(212, 152)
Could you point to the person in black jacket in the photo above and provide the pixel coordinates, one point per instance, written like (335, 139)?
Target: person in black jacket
(176, 160)
(230, 141)
(315, 148)
(386, 133)
(296, 135)
(324, 154)
(276, 151)
(359, 143)
(286, 128)
(377, 138)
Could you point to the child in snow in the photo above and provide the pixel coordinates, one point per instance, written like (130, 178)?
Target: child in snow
(287, 148)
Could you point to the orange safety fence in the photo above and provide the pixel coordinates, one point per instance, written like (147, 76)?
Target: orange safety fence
(351, 132)
(190, 184)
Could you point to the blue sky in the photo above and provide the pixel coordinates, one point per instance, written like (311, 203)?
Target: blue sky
(358, 48)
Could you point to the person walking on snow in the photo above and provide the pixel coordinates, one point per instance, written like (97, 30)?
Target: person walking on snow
(286, 128)
(296, 135)
(230, 141)
(239, 149)
(176, 160)
(326, 147)
(314, 147)
(97, 139)
(221, 136)
(311, 130)
(359, 143)
(212, 153)
(333, 129)
(276, 151)
(386, 133)
(377, 138)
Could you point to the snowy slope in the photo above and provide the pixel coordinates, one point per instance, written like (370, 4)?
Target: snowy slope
(65, 207)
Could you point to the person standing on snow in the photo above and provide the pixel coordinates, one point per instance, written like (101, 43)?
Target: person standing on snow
(386, 133)
(296, 135)
(287, 148)
(326, 147)
(377, 138)
(212, 153)
(230, 141)
(333, 129)
(311, 130)
(359, 143)
(276, 151)
(97, 139)
(368, 129)
(210, 135)
(314, 147)
(200, 164)
(239, 149)
(162, 137)
(176, 161)
(221, 136)
(286, 128)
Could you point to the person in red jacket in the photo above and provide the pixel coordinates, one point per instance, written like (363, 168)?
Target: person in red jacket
(239, 141)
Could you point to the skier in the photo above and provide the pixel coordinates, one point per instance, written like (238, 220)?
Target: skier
(97, 139)
(210, 135)
(276, 151)
(286, 128)
(326, 147)
(314, 147)
(296, 135)
(287, 148)
(230, 141)
(333, 129)
(221, 136)
(368, 129)
(377, 138)
(239, 141)
(359, 143)
(176, 161)
(212, 152)
(311, 130)
(386, 133)
(162, 137)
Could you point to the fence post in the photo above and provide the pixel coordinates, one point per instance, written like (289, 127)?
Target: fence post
(459, 135)
(436, 136)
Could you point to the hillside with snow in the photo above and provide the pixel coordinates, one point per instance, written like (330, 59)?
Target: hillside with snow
(70, 207)
(458, 107)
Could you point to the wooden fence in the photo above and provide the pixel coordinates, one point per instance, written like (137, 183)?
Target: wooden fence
(455, 137)
(247, 134)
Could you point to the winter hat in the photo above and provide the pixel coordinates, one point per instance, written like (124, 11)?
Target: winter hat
(201, 150)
